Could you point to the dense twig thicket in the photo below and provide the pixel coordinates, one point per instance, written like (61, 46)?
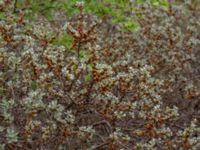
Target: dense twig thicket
(107, 89)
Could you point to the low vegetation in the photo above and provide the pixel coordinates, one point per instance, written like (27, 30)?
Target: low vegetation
(99, 75)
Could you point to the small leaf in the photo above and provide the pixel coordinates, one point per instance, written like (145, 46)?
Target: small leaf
(87, 77)
(34, 85)
(11, 135)
(89, 66)
(82, 54)
(65, 40)
(2, 16)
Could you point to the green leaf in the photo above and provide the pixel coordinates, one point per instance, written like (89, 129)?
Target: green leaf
(82, 54)
(65, 40)
(2, 16)
(34, 85)
(89, 66)
(11, 135)
(87, 77)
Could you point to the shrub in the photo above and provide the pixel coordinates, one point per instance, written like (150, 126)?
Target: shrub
(103, 88)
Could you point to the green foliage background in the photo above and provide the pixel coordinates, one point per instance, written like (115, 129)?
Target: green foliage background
(115, 8)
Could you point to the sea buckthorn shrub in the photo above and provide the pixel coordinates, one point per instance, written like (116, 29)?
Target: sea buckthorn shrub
(107, 89)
